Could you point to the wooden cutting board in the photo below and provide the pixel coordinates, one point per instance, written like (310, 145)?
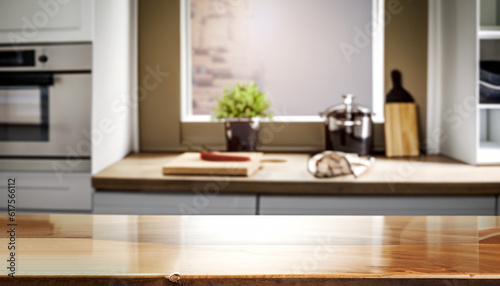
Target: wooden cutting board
(191, 164)
(401, 130)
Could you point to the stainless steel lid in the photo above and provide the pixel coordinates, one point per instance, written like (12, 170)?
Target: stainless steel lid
(347, 107)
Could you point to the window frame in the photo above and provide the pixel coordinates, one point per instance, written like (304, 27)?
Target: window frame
(201, 132)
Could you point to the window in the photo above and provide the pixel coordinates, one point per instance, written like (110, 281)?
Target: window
(305, 54)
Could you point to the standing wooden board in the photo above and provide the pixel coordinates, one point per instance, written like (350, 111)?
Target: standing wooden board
(401, 130)
(191, 164)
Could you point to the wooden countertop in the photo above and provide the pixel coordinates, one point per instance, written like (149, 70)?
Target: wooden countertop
(254, 250)
(426, 175)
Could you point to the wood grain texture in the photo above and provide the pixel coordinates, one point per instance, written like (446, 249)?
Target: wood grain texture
(425, 175)
(189, 163)
(337, 282)
(89, 281)
(401, 130)
(245, 281)
(255, 250)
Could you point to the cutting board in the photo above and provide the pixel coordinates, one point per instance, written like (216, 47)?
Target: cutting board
(401, 130)
(191, 164)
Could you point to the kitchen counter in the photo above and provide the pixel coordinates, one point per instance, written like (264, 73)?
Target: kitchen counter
(254, 250)
(426, 175)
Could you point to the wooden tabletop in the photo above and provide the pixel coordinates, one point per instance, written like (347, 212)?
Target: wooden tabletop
(425, 175)
(253, 250)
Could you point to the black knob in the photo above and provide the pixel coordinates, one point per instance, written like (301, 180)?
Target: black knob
(43, 58)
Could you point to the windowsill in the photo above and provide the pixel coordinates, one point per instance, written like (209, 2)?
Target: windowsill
(426, 175)
(304, 119)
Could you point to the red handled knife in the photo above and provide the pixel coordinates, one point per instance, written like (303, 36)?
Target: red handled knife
(222, 157)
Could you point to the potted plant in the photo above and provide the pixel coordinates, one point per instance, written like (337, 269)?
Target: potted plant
(240, 107)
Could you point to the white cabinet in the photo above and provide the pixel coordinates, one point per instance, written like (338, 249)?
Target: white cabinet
(107, 202)
(45, 21)
(470, 33)
(376, 205)
(48, 191)
(155, 203)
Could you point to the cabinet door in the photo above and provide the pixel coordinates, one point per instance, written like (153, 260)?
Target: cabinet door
(155, 203)
(47, 21)
(48, 191)
(371, 205)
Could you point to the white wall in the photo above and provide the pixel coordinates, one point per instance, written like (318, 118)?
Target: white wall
(114, 71)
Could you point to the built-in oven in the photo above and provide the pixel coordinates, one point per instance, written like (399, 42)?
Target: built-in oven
(45, 106)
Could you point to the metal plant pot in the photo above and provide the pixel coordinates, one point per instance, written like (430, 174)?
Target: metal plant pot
(242, 134)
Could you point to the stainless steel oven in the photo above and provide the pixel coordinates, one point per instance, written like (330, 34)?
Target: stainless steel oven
(45, 106)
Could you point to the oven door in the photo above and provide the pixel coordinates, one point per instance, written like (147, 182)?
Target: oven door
(44, 115)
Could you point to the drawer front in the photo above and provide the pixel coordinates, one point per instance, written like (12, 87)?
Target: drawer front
(47, 191)
(373, 205)
(150, 203)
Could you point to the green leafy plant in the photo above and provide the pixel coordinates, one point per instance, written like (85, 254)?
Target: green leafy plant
(242, 101)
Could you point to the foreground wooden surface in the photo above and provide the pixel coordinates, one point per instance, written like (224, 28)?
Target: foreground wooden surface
(254, 250)
(426, 175)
